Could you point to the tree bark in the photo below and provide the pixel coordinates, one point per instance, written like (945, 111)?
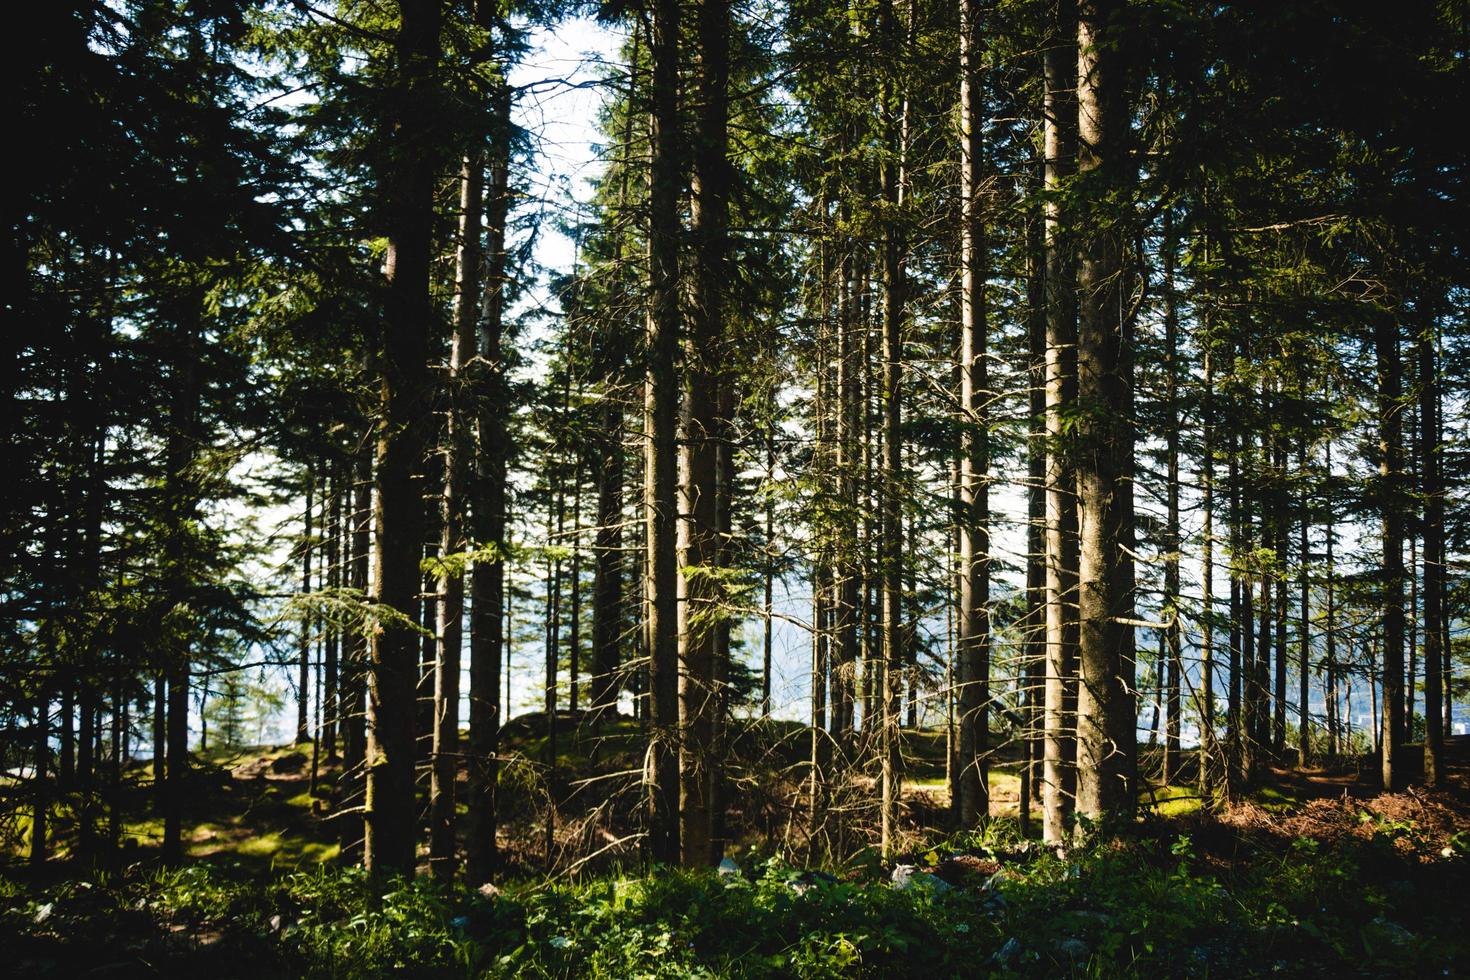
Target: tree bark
(389, 843)
(488, 626)
(661, 402)
(1105, 710)
(1390, 452)
(469, 262)
(1059, 771)
(303, 657)
(974, 557)
(1434, 555)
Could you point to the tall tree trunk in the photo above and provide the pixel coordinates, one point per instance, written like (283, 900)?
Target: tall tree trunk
(1434, 555)
(1034, 656)
(1209, 760)
(404, 407)
(1390, 452)
(769, 568)
(488, 626)
(846, 564)
(1304, 714)
(661, 403)
(331, 705)
(974, 557)
(709, 218)
(303, 657)
(574, 589)
(1174, 665)
(182, 493)
(40, 788)
(1233, 712)
(351, 794)
(891, 548)
(1059, 121)
(1105, 709)
(556, 523)
(469, 263)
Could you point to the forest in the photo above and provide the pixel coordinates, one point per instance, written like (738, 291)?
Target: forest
(916, 488)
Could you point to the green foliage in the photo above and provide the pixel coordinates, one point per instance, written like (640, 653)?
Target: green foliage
(1173, 905)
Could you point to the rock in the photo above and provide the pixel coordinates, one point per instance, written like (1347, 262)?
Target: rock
(808, 880)
(1396, 933)
(908, 877)
(1007, 953)
(1073, 949)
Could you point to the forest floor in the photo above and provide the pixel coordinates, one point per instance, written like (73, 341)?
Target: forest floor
(1312, 872)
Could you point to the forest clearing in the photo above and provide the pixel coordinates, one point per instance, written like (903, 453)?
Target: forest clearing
(736, 488)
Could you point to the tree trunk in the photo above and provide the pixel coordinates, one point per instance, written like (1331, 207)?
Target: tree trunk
(469, 262)
(1434, 555)
(1209, 745)
(891, 547)
(1174, 666)
(1105, 710)
(1059, 771)
(1304, 714)
(1390, 451)
(661, 403)
(303, 656)
(331, 706)
(351, 792)
(488, 516)
(1034, 656)
(404, 407)
(974, 557)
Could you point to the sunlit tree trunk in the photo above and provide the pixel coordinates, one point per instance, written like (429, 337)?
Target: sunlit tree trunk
(1390, 453)
(1434, 554)
(1105, 706)
(974, 557)
(1059, 772)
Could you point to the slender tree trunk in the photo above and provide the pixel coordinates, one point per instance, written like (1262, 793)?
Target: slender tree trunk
(1034, 657)
(846, 563)
(1390, 450)
(1059, 772)
(1334, 723)
(303, 658)
(182, 494)
(404, 407)
(331, 706)
(556, 521)
(1434, 555)
(1209, 744)
(1105, 716)
(661, 402)
(1174, 665)
(40, 789)
(1304, 714)
(769, 564)
(488, 621)
(974, 558)
(709, 218)
(891, 548)
(1239, 589)
(351, 793)
(574, 589)
(469, 262)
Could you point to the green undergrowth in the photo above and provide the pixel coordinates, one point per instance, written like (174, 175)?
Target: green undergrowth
(1156, 904)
